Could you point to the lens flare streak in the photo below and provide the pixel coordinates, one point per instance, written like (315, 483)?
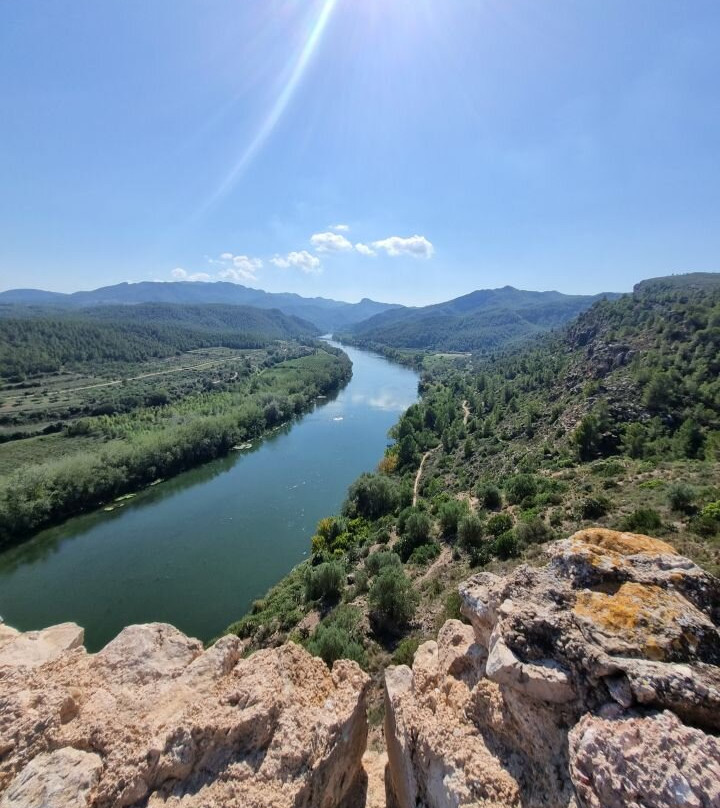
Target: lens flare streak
(279, 107)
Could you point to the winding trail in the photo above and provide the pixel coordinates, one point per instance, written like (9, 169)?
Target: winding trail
(416, 486)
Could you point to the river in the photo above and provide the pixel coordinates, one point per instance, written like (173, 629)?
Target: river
(196, 550)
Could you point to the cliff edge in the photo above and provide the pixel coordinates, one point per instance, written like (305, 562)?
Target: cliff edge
(153, 720)
(592, 681)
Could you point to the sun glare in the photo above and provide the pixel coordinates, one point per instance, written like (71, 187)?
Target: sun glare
(316, 29)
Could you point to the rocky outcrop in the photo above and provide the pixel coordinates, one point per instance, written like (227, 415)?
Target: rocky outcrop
(592, 681)
(155, 721)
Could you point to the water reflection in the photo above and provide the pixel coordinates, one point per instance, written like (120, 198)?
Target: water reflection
(198, 548)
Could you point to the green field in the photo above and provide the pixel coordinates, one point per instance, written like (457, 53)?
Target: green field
(110, 434)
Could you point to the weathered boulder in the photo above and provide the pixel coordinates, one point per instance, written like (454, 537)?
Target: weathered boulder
(616, 627)
(34, 648)
(154, 720)
(55, 780)
(653, 760)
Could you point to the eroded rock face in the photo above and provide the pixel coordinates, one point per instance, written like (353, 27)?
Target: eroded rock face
(616, 638)
(654, 760)
(153, 720)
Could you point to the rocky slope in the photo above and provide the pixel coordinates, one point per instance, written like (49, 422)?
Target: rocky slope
(592, 681)
(153, 720)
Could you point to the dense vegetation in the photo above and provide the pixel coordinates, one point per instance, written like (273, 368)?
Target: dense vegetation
(481, 321)
(614, 421)
(40, 340)
(88, 461)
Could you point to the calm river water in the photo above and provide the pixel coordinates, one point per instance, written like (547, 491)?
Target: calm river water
(196, 550)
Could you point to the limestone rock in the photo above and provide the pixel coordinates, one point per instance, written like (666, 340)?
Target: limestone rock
(615, 628)
(7, 633)
(152, 719)
(61, 779)
(35, 648)
(654, 760)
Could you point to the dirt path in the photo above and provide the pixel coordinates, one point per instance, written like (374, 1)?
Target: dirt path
(466, 412)
(442, 560)
(416, 486)
(150, 375)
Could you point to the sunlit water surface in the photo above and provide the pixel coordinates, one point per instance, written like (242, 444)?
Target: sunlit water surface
(196, 550)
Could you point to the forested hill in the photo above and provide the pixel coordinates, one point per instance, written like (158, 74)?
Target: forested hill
(41, 340)
(325, 314)
(613, 421)
(480, 321)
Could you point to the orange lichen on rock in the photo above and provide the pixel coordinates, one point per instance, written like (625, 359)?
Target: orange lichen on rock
(623, 544)
(641, 614)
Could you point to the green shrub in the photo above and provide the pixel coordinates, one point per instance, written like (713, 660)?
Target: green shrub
(405, 651)
(331, 643)
(424, 553)
(534, 531)
(417, 532)
(642, 520)
(392, 598)
(608, 468)
(707, 522)
(520, 487)
(326, 581)
(594, 507)
(449, 514)
(451, 610)
(681, 497)
(371, 496)
(489, 496)
(499, 524)
(338, 637)
(506, 546)
(382, 558)
(361, 581)
(471, 531)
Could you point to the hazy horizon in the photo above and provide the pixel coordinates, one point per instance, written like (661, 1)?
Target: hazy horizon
(409, 151)
(357, 300)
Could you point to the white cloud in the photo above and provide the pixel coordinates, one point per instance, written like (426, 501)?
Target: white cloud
(241, 267)
(302, 260)
(238, 267)
(363, 249)
(180, 274)
(330, 242)
(416, 246)
(339, 228)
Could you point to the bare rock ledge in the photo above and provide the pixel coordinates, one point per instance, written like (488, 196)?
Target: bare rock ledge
(592, 681)
(152, 720)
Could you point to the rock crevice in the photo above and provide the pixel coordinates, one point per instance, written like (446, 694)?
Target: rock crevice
(570, 679)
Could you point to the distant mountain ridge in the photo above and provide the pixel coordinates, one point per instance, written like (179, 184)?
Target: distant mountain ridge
(45, 338)
(481, 320)
(324, 313)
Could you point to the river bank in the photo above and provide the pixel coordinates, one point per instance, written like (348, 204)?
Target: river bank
(197, 549)
(126, 453)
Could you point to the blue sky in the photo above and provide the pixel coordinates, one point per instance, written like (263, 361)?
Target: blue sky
(430, 147)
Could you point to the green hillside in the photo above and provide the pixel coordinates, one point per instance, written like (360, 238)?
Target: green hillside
(42, 340)
(483, 320)
(614, 421)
